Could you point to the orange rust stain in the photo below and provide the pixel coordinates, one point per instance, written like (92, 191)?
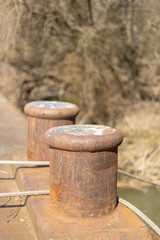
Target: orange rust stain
(57, 189)
(131, 217)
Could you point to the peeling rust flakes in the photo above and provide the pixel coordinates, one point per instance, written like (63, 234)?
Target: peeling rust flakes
(57, 190)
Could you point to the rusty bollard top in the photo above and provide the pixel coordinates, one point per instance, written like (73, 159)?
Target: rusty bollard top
(43, 115)
(51, 109)
(83, 169)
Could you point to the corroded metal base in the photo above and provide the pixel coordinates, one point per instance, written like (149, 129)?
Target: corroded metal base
(122, 224)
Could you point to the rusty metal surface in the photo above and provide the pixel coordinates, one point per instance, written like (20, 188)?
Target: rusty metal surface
(30, 178)
(84, 182)
(83, 186)
(43, 115)
(37, 149)
(51, 109)
(87, 138)
(15, 222)
(121, 225)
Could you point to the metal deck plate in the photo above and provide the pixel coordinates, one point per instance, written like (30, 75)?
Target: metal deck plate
(15, 222)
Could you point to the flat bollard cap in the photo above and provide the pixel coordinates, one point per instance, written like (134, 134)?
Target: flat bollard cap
(51, 109)
(83, 138)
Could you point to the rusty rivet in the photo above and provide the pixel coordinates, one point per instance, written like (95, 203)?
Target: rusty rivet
(83, 169)
(43, 115)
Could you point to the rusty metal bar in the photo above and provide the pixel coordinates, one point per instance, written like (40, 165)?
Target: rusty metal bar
(83, 169)
(43, 115)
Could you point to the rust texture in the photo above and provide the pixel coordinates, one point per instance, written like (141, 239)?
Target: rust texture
(83, 188)
(43, 115)
(87, 138)
(122, 224)
(83, 182)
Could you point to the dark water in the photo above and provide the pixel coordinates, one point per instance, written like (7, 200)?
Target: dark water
(147, 200)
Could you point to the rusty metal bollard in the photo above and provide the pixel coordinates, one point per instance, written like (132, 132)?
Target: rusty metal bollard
(43, 115)
(83, 169)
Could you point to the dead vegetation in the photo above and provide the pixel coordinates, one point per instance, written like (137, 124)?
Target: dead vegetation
(102, 55)
(140, 151)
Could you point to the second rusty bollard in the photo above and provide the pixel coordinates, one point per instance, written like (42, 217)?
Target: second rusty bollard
(83, 169)
(43, 115)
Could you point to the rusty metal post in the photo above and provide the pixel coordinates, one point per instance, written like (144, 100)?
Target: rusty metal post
(83, 169)
(43, 115)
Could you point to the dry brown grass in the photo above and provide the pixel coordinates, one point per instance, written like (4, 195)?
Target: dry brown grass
(140, 152)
